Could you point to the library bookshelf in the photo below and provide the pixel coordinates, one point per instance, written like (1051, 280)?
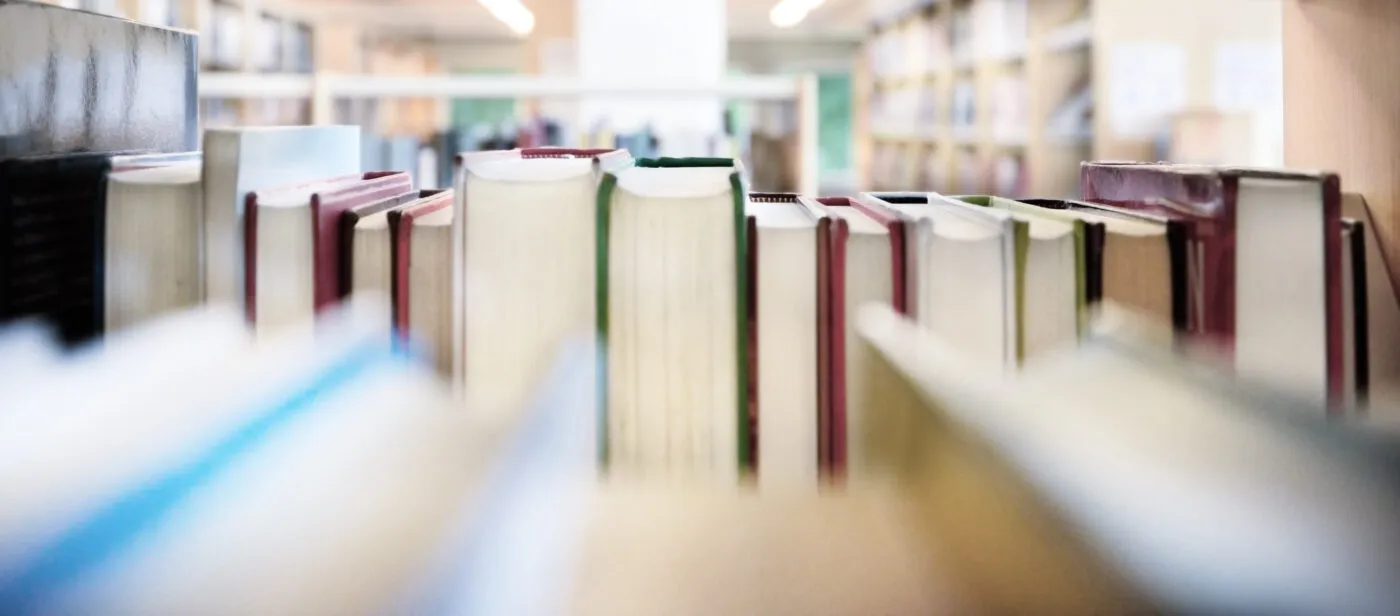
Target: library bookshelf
(974, 96)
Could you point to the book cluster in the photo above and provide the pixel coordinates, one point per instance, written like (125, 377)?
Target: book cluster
(255, 377)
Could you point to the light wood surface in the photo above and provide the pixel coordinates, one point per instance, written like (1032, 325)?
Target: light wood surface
(707, 551)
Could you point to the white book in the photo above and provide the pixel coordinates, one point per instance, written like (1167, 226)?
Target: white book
(788, 374)
(152, 242)
(962, 268)
(672, 321)
(524, 246)
(238, 161)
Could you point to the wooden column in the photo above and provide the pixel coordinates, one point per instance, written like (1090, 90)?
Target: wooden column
(1342, 100)
(1342, 113)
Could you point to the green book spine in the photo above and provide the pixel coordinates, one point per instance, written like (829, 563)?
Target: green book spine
(695, 161)
(603, 218)
(1021, 238)
(741, 279)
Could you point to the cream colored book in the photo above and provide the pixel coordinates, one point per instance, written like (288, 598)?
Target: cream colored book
(153, 257)
(1055, 305)
(672, 315)
(964, 273)
(524, 244)
(790, 237)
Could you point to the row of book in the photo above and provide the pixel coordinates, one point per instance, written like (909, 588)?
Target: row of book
(719, 312)
(202, 472)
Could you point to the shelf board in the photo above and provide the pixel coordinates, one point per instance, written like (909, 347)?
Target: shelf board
(1078, 34)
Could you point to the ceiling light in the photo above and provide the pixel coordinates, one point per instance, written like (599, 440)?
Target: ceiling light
(511, 13)
(788, 13)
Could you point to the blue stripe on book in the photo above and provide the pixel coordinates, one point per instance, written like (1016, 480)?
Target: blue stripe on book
(123, 521)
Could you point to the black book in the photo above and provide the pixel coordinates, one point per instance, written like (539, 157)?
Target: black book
(52, 231)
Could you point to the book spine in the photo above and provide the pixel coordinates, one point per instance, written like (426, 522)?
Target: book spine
(741, 250)
(606, 187)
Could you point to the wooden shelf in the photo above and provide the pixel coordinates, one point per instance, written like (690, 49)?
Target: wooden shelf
(1011, 80)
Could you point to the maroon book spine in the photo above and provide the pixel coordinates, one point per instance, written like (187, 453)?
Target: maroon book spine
(401, 238)
(326, 210)
(836, 286)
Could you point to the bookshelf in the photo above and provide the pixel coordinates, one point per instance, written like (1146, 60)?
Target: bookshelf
(974, 96)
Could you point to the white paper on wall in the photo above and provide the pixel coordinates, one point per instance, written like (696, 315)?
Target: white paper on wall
(1147, 85)
(1248, 76)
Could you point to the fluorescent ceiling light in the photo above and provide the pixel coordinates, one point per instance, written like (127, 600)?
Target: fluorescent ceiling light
(788, 13)
(511, 13)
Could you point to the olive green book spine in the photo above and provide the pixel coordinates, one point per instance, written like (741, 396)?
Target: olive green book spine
(603, 218)
(1021, 248)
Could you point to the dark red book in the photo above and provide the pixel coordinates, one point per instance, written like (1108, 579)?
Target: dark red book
(1264, 264)
(401, 225)
(322, 203)
(351, 217)
(838, 276)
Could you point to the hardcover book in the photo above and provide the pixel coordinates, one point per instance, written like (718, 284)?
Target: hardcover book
(1266, 257)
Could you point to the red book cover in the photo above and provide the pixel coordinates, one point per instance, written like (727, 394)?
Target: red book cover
(326, 209)
(352, 216)
(250, 234)
(900, 237)
(1206, 200)
(330, 199)
(401, 236)
(835, 284)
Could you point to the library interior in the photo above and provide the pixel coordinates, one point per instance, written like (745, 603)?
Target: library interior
(428, 391)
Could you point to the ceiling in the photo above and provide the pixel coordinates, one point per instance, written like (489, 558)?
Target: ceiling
(467, 20)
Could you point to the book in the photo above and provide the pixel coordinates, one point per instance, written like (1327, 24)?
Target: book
(789, 262)
(672, 286)
(1054, 303)
(979, 306)
(1355, 320)
(1094, 235)
(77, 81)
(238, 161)
(52, 236)
(1276, 312)
(1144, 263)
(524, 243)
(291, 235)
(1026, 461)
(366, 254)
(865, 267)
(1382, 308)
(421, 233)
(152, 251)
